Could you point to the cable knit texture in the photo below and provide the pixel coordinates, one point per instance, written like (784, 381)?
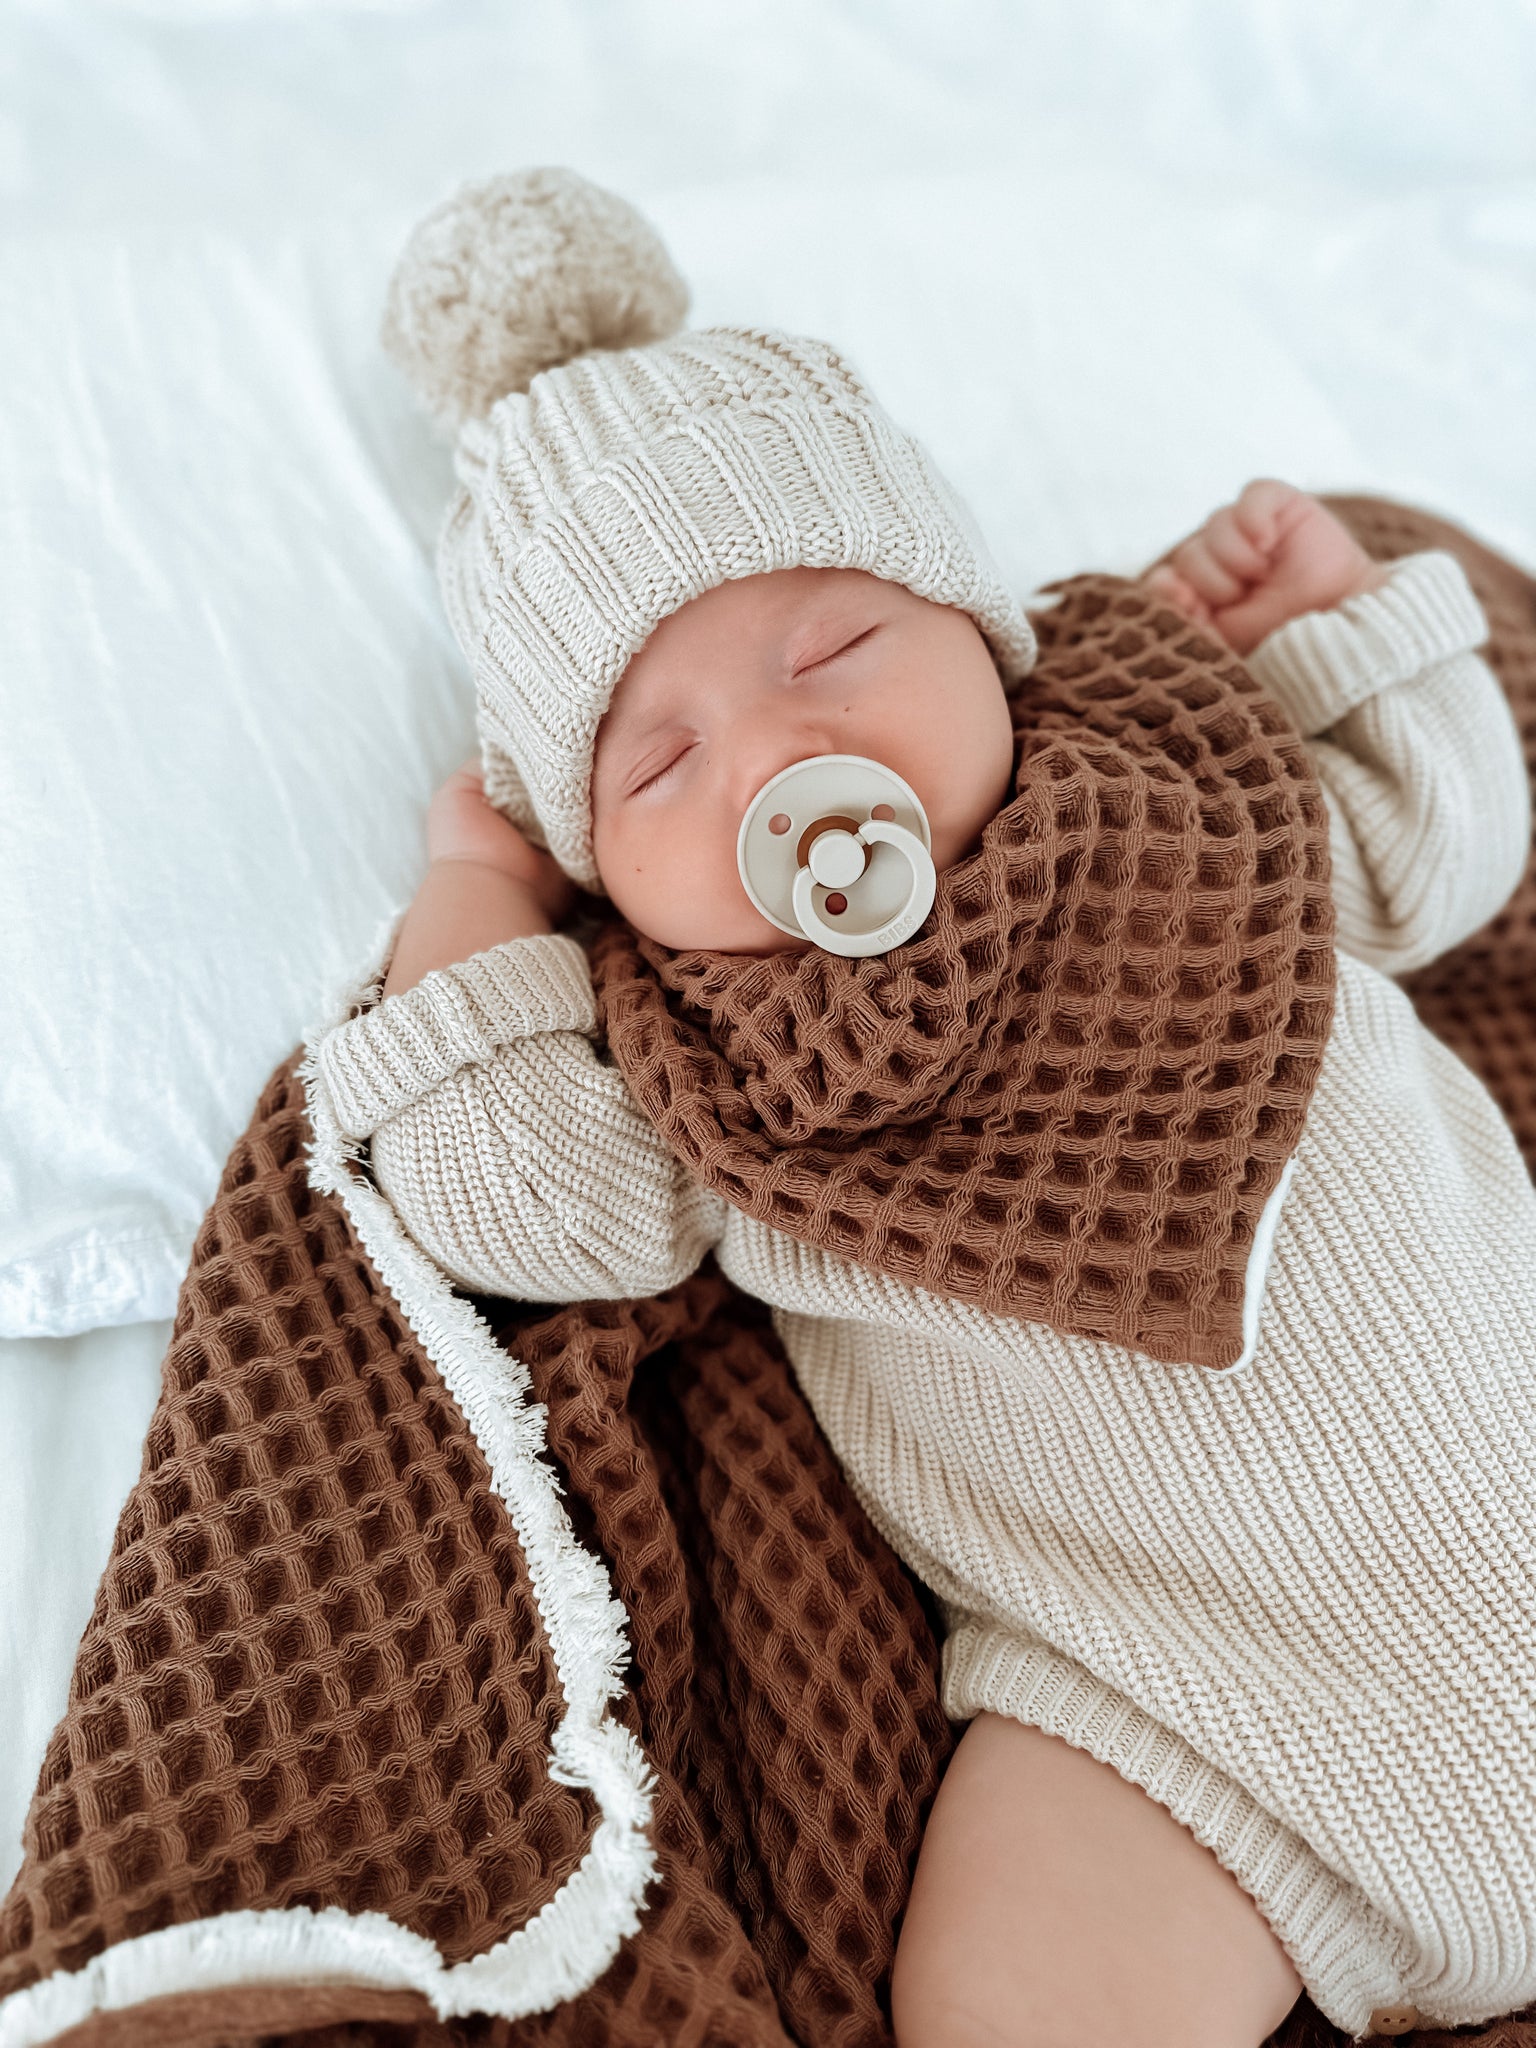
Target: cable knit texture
(1296, 1603)
(603, 484)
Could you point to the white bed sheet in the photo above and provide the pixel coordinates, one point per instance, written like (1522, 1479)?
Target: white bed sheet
(1109, 261)
(76, 1411)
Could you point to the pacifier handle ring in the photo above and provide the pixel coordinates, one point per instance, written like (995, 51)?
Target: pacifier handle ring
(858, 945)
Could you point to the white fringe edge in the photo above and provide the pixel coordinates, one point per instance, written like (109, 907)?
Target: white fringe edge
(568, 1944)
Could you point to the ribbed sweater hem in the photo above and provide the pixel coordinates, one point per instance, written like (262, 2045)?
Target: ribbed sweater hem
(396, 1052)
(1349, 1957)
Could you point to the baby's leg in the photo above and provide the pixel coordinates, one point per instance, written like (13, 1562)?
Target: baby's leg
(1056, 1903)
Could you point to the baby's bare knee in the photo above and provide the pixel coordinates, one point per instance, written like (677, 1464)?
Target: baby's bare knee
(921, 2023)
(936, 2004)
(957, 2002)
(1055, 1904)
(947, 1993)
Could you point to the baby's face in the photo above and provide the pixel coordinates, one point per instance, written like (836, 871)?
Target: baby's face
(760, 673)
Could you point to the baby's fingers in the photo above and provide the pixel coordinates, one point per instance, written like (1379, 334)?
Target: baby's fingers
(1264, 508)
(1171, 586)
(1195, 562)
(466, 776)
(1233, 548)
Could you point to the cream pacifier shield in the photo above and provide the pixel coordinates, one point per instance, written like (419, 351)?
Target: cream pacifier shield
(837, 849)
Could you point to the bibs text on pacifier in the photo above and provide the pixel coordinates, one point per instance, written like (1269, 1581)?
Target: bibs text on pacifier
(837, 849)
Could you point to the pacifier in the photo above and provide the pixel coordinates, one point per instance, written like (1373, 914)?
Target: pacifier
(836, 849)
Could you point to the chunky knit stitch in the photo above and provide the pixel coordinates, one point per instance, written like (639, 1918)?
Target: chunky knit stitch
(1295, 1603)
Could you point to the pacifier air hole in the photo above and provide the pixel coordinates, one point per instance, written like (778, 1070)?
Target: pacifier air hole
(836, 849)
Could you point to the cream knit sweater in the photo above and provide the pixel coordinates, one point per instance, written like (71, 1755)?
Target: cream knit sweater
(1295, 1602)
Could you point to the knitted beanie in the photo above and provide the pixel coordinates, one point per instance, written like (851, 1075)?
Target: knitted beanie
(613, 465)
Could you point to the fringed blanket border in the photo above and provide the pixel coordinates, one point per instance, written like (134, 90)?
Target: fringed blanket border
(569, 1943)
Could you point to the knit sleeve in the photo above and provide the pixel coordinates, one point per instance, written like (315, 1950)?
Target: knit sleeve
(515, 1155)
(1419, 757)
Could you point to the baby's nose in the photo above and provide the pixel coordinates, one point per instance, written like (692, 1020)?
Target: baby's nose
(766, 753)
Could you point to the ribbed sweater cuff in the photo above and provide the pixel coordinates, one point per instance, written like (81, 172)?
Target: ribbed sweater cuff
(1325, 663)
(377, 1064)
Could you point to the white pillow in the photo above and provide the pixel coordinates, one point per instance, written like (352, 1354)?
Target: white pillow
(228, 689)
(227, 692)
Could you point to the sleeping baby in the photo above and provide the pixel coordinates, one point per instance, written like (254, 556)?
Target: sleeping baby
(1023, 1034)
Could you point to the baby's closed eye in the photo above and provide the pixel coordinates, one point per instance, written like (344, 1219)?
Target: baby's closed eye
(660, 764)
(839, 652)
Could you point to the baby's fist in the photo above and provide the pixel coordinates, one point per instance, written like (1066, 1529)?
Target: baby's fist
(1271, 555)
(462, 824)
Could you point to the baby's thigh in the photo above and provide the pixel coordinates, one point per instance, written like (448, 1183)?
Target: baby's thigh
(1057, 1903)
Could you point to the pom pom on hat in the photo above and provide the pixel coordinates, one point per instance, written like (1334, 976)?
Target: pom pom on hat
(517, 274)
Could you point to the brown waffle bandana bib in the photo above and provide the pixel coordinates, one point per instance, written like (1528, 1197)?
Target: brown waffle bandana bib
(1071, 1095)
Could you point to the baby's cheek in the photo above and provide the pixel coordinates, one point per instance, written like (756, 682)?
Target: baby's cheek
(650, 875)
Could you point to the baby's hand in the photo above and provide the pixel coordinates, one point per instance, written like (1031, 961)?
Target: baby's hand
(485, 885)
(463, 825)
(1268, 557)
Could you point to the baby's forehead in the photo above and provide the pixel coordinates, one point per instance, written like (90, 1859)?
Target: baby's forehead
(776, 609)
(772, 597)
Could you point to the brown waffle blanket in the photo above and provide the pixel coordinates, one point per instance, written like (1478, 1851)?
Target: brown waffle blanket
(465, 1672)
(1070, 1096)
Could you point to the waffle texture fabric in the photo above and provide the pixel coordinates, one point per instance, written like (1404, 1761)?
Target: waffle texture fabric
(327, 1774)
(1072, 1096)
(1293, 1602)
(613, 465)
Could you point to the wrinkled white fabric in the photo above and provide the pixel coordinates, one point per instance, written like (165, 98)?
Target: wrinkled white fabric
(1105, 264)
